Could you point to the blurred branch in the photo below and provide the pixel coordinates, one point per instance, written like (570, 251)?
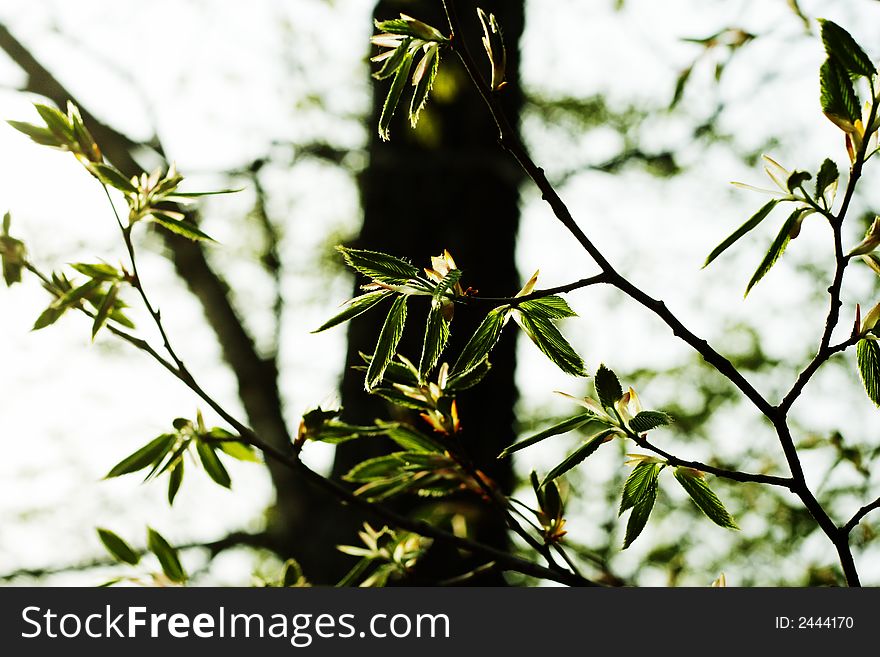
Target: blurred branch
(233, 540)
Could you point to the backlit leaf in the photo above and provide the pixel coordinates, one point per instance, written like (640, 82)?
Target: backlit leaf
(776, 249)
(379, 266)
(608, 386)
(389, 337)
(565, 426)
(703, 496)
(117, 547)
(579, 455)
(147, 455)
(167, 556)
(752, 223)
(356, 307)
(868, 357)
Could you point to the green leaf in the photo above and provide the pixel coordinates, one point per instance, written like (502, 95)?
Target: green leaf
(104, 309)
(410, 438)
(179, 226)
(110, 175)
(828, 175)
(565, 426)
(868, 357)
(703, 496)
(552, 307)
(390, 66)
(48, 317)
(841, 47)
(639, 515)
(551, 501)
(608, 387)
(99, 270)
(638, 485)
(776, 249)
(549, 340)
(118, 548)
(151, 453)
(469, 378)
(238, 450)
(40, 135)
(375, 468)
(167, 556)
(389, 338)
(837, 96)
(436, 337)
(796, 179)
(57, 122)
(482, 342)
(423, 79)
(71, 297)
(356, 307)
(639, 494)
(212, 464)
(379, 266)
(647, 420)
(408, 26)
(579, 455)
(175, 479)
(393, 98)
(749, 225)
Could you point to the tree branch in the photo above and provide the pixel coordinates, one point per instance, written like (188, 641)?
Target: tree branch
(857, 518)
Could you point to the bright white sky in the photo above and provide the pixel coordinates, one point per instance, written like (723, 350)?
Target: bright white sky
(220, 87)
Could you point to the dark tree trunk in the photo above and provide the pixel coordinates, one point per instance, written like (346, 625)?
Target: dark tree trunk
(446, 185)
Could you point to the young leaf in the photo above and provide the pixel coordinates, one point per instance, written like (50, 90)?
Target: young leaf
(393, 62)
(639, 494)
(580, 454)
(776, 249)
(749, 225)
(827, 176)
(38, 134)
(703, 496)
(167, 556)
(552, 307)
(837, 96)
(212, 464)
(565, 426)
(638, 485)
(841, 47)
(104, 309)
(110, 175)
(238, 450)
(48, 317)
(436, 336)
(379, 266)
(423, 79)
(393, 98)
(101, 271)
(469, 378)
(409, 438)
(389, 337)
(118, 548)
(375, 468)
(608, 387)
(549, 340)
(356, 307)
(482, 341)
(639, 515)
(57, 122)
(180, 226)
(647, 420)
(151, 453)
(868, 357)
(71, 297)
(175, 479)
